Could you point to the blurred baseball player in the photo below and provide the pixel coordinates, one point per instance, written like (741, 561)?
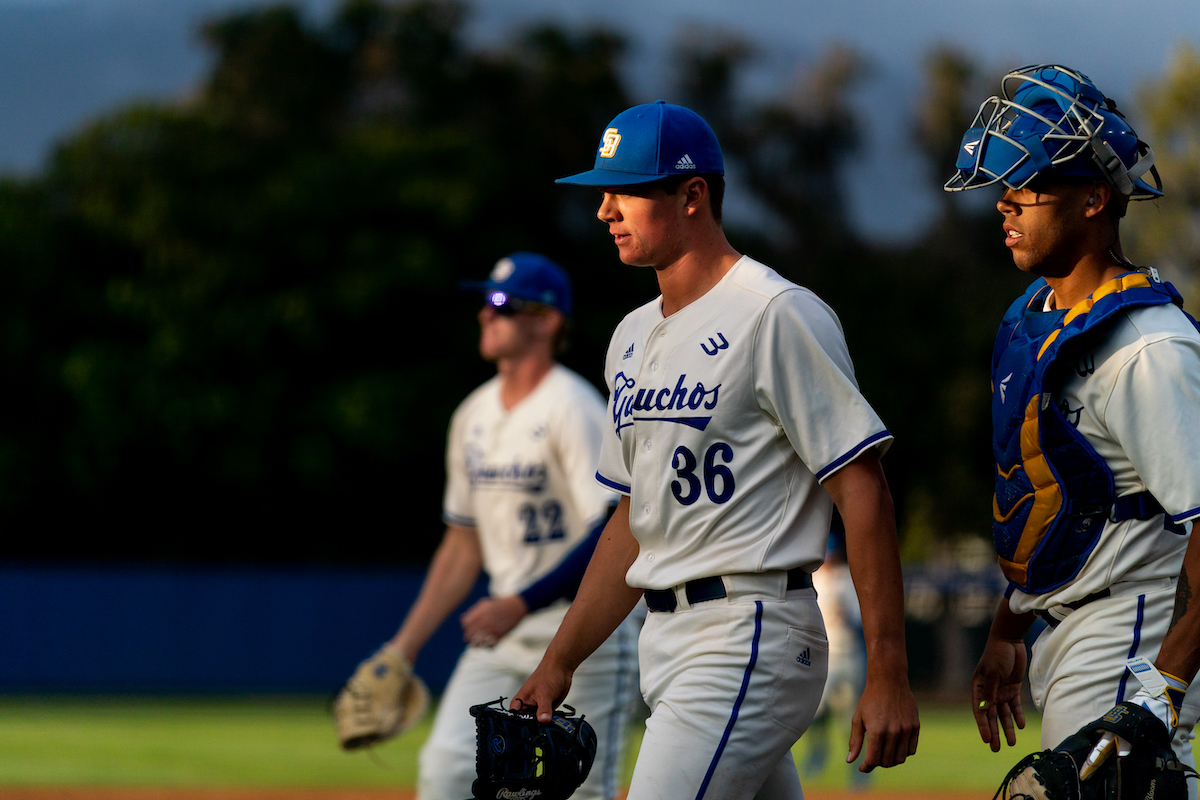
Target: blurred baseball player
(521, 503)
(1096, 415)
(734, 417)
(838, 601)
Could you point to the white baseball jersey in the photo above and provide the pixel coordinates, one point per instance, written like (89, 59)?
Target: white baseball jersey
(523, 477)
(725, 417)
(1136, 398)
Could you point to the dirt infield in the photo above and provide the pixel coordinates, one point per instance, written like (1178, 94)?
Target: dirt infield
(127, 793)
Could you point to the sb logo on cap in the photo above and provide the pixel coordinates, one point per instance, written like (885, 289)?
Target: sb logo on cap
(608, 148)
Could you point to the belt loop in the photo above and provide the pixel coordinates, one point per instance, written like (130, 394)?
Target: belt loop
(681, 598)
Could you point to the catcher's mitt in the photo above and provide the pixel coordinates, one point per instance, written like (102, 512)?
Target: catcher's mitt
(1151, 769)
(519, 758)
(382, 699)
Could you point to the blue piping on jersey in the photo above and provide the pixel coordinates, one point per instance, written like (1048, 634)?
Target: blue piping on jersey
(462, 522)
(618, 487)
(1137, 640)
(1187, 515)
(852, 454)
(737, 706)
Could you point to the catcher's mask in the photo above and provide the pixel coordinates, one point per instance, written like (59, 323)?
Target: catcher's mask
(1054, 120)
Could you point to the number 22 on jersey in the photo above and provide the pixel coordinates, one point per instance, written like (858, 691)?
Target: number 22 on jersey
(544, 524)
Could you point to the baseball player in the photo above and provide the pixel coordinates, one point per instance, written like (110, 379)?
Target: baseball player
(1096, 398)
(843, 628)
(733, 419)
(522, 505)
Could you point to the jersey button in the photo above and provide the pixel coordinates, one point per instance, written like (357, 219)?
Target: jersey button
(650, 557)
(648, 445)
(654, 367)
(646, 508)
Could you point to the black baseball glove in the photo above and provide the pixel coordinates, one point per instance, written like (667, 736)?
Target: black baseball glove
(1151, 769)
(519, 758)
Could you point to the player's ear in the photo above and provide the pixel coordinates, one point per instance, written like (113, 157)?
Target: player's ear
(1101, 194)
(550, 323)
(695, 193)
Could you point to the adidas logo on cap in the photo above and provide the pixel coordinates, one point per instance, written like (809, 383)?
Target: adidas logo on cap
(685, 162)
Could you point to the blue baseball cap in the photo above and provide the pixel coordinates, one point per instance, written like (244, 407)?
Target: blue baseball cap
(651, 142)
(527, 277)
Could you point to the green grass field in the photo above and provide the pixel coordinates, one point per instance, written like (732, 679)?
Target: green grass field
(264, 742)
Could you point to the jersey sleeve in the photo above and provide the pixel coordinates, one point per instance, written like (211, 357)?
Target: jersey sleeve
(804, 379)
(457, 508)
(612, 472)
(1152, 412)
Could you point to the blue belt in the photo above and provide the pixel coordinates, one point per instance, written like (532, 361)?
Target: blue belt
(703, 589)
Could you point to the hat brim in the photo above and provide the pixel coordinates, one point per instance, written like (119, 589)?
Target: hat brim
(608, 177)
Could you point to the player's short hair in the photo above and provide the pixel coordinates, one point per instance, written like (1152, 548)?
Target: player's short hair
(716, 189)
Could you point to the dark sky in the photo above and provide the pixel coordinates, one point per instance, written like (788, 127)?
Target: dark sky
(65, 61)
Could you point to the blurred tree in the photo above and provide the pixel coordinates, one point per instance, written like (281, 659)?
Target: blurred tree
(1166, 232)
(951, 290)
(788, 152)
(235, 322)
(945, 111)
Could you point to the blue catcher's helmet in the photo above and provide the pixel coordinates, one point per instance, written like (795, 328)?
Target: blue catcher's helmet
(1054, 120)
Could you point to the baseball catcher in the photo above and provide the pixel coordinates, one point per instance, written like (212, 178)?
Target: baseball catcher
(1147, 769)
(517, 757)
(382, 699)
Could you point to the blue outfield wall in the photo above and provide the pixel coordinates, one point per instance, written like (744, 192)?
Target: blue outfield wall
(204, 630)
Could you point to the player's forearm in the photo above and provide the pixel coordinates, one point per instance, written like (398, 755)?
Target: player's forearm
(861, 494)
(1180, 652)
(1008, 625)
(604, 599)
(452, 574)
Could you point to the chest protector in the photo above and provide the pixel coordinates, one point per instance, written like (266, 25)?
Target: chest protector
(1053, 491)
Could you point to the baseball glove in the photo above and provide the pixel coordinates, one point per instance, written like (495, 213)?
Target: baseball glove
(382, 699)
(1151, 769)
(519, 758)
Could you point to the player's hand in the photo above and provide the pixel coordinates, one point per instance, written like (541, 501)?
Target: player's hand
(491, 618)
(996, 691)
(886, 719)
(546, 688)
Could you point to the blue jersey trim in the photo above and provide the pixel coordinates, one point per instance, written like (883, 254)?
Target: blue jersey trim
(852, 454)
(737, 706)
(1187, 515)
(1137, 640)
(462, 522)
(617, 487)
